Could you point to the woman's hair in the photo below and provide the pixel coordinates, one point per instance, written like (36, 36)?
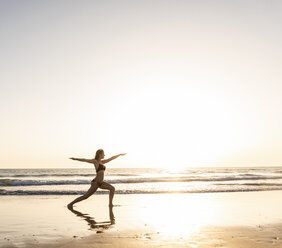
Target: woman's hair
(98, 153)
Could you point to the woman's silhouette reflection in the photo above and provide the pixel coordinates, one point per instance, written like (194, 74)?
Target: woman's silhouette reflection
(94, 224)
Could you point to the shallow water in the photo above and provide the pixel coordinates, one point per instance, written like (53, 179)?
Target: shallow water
(140, 181)
(38, 218)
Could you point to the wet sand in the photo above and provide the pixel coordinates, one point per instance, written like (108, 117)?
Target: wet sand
(245, 219)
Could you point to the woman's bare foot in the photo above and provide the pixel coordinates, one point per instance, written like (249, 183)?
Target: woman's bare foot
(70, 206)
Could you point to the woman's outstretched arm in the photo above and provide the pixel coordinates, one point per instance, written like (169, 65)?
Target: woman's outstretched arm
(113, 157)
(83, 160)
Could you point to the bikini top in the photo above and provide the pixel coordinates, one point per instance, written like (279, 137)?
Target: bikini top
(101, 167)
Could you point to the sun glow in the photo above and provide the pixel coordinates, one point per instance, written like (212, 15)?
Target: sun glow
(171, 126)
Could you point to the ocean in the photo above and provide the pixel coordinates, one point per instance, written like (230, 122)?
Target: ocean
(140, 180)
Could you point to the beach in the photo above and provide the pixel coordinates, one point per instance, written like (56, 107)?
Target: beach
(240, 219)
(172, 106)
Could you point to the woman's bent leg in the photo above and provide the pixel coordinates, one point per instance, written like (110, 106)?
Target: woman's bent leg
(111, 188)
(90, 191)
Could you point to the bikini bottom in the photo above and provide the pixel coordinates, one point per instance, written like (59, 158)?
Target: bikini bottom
(99, 184)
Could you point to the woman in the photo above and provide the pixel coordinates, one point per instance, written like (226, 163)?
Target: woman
(98, 181)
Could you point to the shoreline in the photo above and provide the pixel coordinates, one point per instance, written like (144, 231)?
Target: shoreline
(165, 220)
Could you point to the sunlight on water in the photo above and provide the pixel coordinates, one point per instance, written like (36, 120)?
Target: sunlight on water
(179, 217)
(140, 180)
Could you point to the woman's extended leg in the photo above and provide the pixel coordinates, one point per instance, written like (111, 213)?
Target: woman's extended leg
(94, 186)
(111, 188)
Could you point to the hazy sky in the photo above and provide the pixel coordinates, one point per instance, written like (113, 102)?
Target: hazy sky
(172, 83)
